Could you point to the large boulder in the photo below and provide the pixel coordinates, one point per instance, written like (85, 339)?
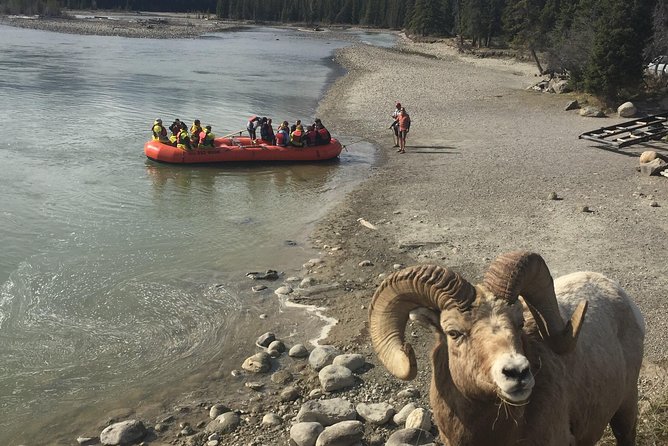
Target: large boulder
(122, 433)
(627, 110)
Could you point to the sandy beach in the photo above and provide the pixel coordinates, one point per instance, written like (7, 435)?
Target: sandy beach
(484, 154)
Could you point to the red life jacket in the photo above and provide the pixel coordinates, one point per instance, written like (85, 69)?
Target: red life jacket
(280, 139)
(311, 137)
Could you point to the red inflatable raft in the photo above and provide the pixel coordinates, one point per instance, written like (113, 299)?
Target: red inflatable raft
(240, 149)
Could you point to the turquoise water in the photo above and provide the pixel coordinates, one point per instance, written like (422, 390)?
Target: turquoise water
(120, 277)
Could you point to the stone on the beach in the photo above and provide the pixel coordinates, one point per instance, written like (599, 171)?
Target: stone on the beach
(161, 427)
(281, 377)
(414, 437)
(258, 363)
(653, 167)
(313, 262)
(591, 112)
(322, 356)
(408, 392)
(400, 418)
(627, 110)
(271, 419)
(553, 196)
(265, 339)
(290, 393)
(269, 275)
(86, 441)
(345, 433)
(326, 412)
(305, 434)
(123, 432)
(279, 346)
(283, 291)
(298, 351)
(419, 419)
(397, 266)
(366, 263)
(335, 377)
(292, 279)
(258, 288)
(254, 385)
(307, 282)
(573, 105)
(224, 424)
(352, 361)
(375, 413)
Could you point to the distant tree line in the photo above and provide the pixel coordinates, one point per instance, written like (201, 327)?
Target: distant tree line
(602, 44)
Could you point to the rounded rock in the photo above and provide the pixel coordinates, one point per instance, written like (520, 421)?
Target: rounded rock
(223, 424)
(322, 356)
(343, 433)
(258, 363)
(271, 419)
(352, 361)
(298, 351)
(400, 418)
(290, 393)
(414, 437)
(305, 434)
(284, 290)
(375, 413)
(335, 377)
(123, 432)
(279, 346)
(419, 419)
(266, 339)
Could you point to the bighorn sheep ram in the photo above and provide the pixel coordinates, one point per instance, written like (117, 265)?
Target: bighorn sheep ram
(507, 369)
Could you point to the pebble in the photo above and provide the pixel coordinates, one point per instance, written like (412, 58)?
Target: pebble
(281, 377)
(265, 339)
(400, 418)
(85, 441)
(254, 385)
(271, 419)
(408, 392)
(298, 351)
(278, 346)
(263, 316)
(223, 424)
(290, 393)
(258, 288)
(397, 266)
(217, 409)
(284, 290)
(553, 196)
(654, 204)
(366, 263)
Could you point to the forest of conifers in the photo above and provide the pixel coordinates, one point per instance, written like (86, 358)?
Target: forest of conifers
(602, 44)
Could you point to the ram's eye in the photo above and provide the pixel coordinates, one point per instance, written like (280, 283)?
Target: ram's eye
(454, 334)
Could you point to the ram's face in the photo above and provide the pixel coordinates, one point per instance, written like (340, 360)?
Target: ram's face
(485, 350)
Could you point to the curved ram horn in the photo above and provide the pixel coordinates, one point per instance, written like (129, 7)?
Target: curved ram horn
(420, 286)
(526, 274)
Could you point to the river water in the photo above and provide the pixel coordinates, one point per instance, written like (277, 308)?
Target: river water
(123, 280)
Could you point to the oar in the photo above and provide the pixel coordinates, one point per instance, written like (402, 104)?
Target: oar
(239, 132)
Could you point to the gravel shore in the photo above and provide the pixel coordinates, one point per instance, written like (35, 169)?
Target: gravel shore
(484, 157)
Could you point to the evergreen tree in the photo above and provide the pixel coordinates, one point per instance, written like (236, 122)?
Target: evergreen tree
(620, 34)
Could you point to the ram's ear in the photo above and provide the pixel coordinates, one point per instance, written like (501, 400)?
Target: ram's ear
(427, 318)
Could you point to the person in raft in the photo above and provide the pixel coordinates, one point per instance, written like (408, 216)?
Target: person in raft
(195, 130)
(297, 136)
(404, 126)
(311, 136)
(267, 131)
(159, 132)
(283, 135)
(322, 134)
(206, 138)
(395, 123)
(253, 124)
(175, 128)
(182, 139)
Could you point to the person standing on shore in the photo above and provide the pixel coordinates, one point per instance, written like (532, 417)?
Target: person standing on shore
(395, 123)
(404, 126)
